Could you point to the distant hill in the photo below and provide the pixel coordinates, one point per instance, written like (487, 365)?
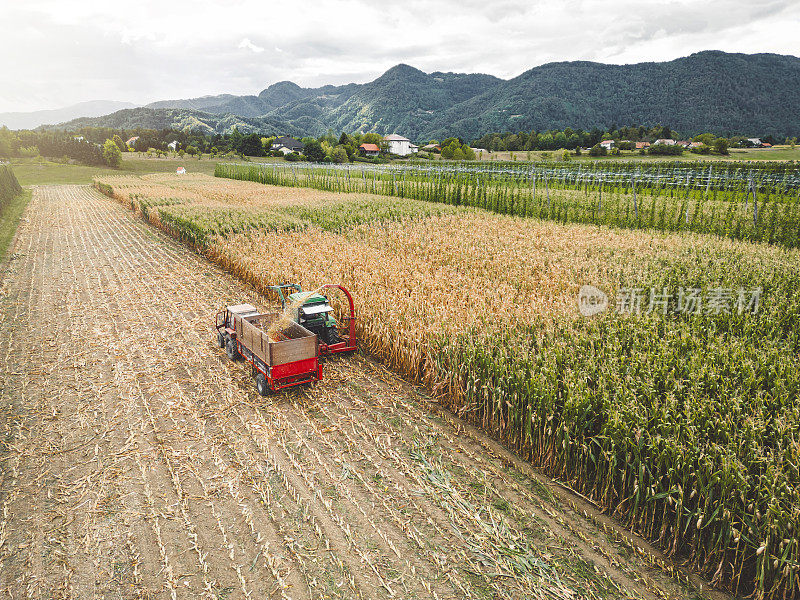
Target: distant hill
(402, 99)
(182, 120)
(727, 94)
(31, 120)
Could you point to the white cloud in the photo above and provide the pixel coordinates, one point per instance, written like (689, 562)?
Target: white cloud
(142, 50)
(246, 43)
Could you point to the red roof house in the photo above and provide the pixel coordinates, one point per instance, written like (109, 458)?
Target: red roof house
(369, 149)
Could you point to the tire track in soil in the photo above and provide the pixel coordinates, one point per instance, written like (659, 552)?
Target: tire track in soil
(137, 462)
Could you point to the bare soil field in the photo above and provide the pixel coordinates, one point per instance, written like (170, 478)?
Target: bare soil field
(136, 461)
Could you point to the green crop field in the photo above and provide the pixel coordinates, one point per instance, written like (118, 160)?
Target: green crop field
(13, 200)
(746, 201)
(776, 153)
(41, 171)
(682, 423)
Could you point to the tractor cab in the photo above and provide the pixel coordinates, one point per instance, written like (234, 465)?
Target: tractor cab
(315, 314)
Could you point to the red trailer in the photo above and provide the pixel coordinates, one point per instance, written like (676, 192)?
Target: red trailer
(292, 359)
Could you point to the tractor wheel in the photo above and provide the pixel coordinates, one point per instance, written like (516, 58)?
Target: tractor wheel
(261, 385)
(221, 339)
(231, 349)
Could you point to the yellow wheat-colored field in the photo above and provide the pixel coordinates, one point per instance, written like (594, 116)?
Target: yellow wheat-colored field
(212, 192)
(418, 278)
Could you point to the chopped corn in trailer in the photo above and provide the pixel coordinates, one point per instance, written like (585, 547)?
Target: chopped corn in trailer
(287, 359)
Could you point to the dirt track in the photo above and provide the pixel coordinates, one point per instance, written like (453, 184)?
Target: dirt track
(136, 461)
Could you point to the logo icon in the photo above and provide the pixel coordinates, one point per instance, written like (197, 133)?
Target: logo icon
(591, 300)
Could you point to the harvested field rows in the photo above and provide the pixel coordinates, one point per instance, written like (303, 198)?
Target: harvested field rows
(136, 462)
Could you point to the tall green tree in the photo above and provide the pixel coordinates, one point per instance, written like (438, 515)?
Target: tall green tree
(313, 151)
(339, 155)
(120, 144)
(112, 155)
(251, 145)
(721, 146)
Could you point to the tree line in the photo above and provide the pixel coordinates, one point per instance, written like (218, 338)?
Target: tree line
(572, 139)
(105, 145)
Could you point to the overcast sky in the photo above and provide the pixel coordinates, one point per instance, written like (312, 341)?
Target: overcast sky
(59, 52)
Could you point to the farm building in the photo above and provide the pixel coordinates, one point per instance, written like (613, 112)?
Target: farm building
(400, 145)
(173, 145)
(432, 148)
(642, 145)
(180, 171)
(607, 144)
(665, 142)
(287, 145)
(369, 150)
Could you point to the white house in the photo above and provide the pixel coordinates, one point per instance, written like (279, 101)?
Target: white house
(287, 145)
(173, 145)
(754, 141)
(665, 142)
(399, 145)
(180, 171)
(607, 144)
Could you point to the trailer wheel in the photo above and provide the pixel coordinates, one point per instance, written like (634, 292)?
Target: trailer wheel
(261, 385)
(231, 349)
(221, 339)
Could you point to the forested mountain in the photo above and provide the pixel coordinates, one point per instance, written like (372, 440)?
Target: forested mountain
(281, 94)
(726, 94)
(182, 120)
(406, 100)
(709, 91)
(402, 99)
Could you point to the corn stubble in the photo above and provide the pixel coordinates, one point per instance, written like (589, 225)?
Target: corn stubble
(686, 428)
